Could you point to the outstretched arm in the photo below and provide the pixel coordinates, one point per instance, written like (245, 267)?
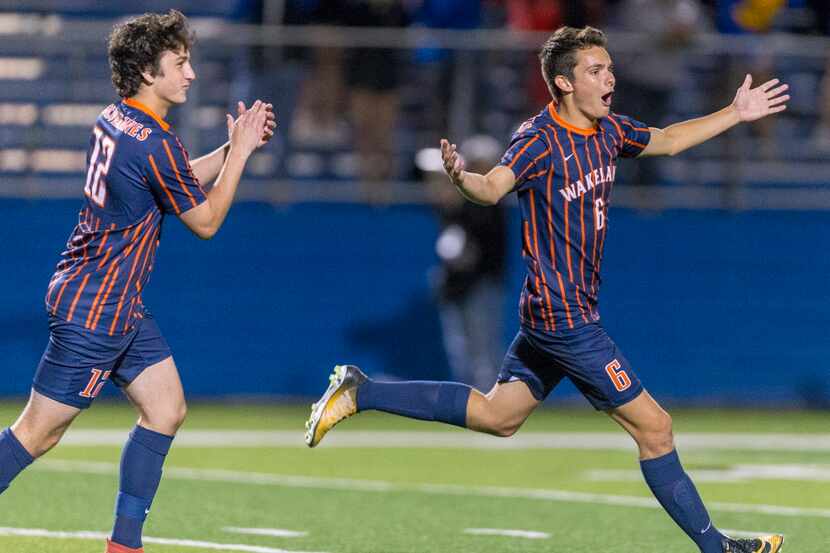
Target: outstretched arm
(750, 104)
(207, 167)
(247, 131)
(481, 189)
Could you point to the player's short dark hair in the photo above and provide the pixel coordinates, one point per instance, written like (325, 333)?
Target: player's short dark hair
(558, 54)
(137, 45)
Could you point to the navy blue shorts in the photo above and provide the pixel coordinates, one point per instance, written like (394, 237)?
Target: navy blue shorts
(77, 363)
(587, 356)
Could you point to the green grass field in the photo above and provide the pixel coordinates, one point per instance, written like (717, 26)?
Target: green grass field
(380, 496)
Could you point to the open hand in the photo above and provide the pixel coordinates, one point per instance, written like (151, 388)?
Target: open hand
(268, 128)
(752, 104)
(453, 162)
(247, 132)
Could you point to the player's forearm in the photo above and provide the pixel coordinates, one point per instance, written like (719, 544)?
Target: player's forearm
(477, 188)
(687, 134)
(221, 195)
(207, 167)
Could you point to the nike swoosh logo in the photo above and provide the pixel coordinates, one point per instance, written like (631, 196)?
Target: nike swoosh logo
(569, 157)
(707, 528)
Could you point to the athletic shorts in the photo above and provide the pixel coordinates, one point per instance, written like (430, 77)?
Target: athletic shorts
(587, 356)
(78, 363)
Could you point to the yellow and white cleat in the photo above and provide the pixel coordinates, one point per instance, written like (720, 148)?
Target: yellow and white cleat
(338, 403)
(761, 544)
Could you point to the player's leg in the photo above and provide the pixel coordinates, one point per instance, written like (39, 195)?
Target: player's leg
(651, 428)
(150, 380)
(37, 430)
(158, 397)
(527, 376)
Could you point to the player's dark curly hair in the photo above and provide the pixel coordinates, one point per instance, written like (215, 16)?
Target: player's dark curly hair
(137, 45)
(558, 54)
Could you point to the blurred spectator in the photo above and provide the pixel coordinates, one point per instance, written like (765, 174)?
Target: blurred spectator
(821, 16)
(535, 15)
(440, 69)
(751, 17)
(373, 76)
(648, 79)
(469, 283)
(319, 115)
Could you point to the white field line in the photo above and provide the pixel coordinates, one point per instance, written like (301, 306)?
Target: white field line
(529, 534)
(457, 439)
(84, 535)
(271, 532)
(345, 484)
(737, 473)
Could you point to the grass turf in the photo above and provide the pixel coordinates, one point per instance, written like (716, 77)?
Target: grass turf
(406, 518)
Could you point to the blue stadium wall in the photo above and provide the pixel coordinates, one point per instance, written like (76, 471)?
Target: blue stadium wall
(710, 307)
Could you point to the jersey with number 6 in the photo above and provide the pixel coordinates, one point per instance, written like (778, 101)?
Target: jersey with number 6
(137, 171)
(564, 176)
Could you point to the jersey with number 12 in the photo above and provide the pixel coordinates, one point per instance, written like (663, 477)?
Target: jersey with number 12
(137, 171)
(564, 177)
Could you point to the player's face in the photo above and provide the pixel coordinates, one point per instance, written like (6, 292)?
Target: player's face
(593, 82)
(174, 77)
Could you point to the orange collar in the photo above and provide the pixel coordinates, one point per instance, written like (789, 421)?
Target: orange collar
(562, 123)
(141, 107)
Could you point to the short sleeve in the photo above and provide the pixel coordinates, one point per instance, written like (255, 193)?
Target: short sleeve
(171, 178)
(528, 156)
(635, 135)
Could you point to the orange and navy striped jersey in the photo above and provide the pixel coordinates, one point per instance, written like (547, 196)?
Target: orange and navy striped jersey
(137, 171)
(564, 177)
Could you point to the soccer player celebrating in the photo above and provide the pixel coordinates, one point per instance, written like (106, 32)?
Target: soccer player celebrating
(138, 171)
(561, 164)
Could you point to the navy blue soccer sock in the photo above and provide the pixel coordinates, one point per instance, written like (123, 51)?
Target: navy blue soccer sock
(424, 400)
(13, 458)
(141, 462)
(677, 494)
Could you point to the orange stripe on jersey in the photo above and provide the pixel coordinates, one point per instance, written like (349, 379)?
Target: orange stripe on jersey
(101, 289)
(104, 300)
(77, 295)
(527, 286)
(538, 257)
(593, 192)
(564, 299)
(129, 315)
(178, 176)
(163, 185)
(125, 254)
(104, 241)
(617, 125)
(641, 129)
(565, 209)
(127, 284)
(519, 154)
(635, 143)
(581, 212)
(70, 279)
(551, 238)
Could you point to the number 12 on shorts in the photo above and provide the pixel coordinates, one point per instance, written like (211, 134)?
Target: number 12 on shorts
(618, 376)
(96, 382)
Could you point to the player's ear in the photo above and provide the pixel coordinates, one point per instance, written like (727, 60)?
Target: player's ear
(562, 82)
(147, 77)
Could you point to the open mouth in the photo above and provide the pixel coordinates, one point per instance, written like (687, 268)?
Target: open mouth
(606, 98)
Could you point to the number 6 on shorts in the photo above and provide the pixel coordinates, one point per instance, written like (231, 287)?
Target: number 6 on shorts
(617, 376)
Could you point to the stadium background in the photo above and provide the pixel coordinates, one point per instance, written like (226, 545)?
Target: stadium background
(715, 268)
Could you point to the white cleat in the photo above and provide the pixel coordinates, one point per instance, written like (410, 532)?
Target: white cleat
(339, 402)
